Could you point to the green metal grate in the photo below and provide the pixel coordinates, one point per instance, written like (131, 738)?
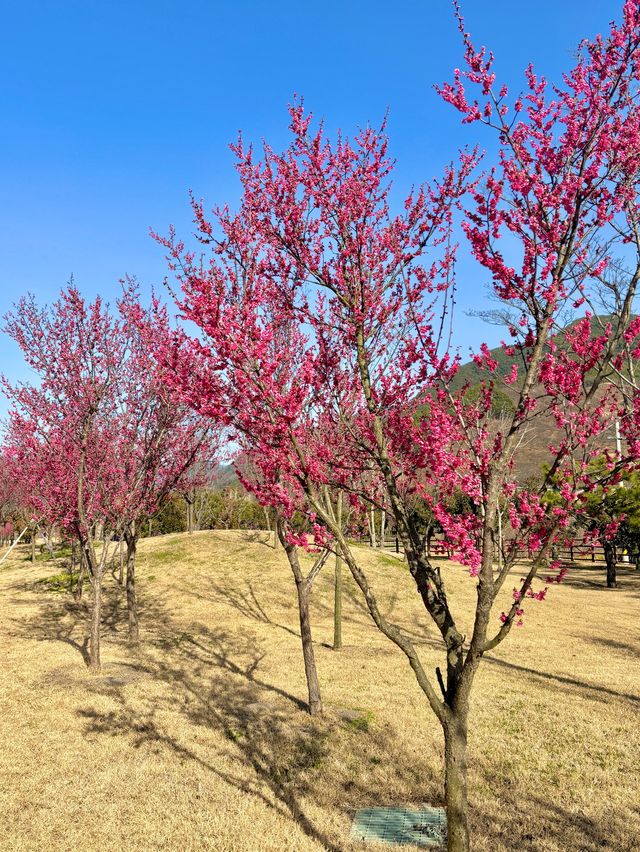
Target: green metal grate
(426, 828)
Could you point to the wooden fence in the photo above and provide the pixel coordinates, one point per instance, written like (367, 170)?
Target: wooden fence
(577, 552)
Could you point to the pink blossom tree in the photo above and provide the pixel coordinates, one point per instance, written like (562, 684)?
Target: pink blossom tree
(60, 433)
(162, 447)
(100, 443)
(316, 273)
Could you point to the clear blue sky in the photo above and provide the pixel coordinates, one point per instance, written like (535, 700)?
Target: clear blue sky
(111, 111)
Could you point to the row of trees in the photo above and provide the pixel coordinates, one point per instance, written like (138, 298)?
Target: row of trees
(99, 444)
(322, 352)
(324, 320)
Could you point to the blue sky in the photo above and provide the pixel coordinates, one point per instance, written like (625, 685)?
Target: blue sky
(112, 111)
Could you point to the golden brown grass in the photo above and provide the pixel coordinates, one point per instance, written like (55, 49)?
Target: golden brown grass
(197, 740)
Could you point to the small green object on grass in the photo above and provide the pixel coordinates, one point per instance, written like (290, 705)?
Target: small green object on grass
(426, 828)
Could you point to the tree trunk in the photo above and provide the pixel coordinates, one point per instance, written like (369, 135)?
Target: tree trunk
(132, 602)
(276, 533)
(311, 672)
(337, 607)
(72, 565)
(455, 784)
(610, 559)
(303, 588)
(337, 599)
(190, 517)
(94, 641)
(81, 575)
(383, 519)
(121, 561)
(33, 546)
(372, 527)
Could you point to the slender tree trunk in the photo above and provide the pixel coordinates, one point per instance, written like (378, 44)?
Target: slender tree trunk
(337, 600)
(383, 519)
(311, 672)
(372, 527)
(96, 610)
(132, 602)
(81, 575)
(190, 517)
(72, 565)
(33, 546)
(276, 533)
(455, 784)
(303, 588)
(610, 559)
(121, 557)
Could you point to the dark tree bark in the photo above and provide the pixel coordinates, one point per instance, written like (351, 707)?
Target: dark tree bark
(132, 601)
(95, 568)
(611, 561)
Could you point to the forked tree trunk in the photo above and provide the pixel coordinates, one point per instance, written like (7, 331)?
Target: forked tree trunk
(132, 602)
(455, 783)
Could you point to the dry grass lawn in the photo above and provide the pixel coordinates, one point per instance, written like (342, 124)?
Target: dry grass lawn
(198, 740)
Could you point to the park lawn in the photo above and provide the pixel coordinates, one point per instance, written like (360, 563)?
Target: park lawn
(197, 740)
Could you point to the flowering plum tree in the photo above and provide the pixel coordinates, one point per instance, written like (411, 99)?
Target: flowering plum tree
(60, 435)
(99, 443)
(162, 447)
(324, 324)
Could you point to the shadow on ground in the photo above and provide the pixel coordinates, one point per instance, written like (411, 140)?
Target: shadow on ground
(214, 679)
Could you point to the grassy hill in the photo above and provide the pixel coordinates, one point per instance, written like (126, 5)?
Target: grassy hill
(197, 740)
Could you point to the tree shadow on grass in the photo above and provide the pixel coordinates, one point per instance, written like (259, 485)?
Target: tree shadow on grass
(545, 823)
(211, 679)
(564, 683)
(630, 647)
(246, 602)
(60, 617)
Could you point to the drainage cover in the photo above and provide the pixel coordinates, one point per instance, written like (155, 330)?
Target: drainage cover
(426, 827)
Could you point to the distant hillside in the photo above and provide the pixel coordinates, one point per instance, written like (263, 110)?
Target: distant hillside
(534, 453)
(470, 372)
(224, 476)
